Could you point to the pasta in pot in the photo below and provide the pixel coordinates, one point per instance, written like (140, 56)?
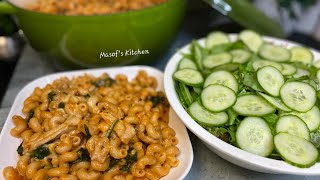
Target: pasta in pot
(95, 128)
(90, 7)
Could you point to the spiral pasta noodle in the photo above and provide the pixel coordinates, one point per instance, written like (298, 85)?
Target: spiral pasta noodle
(95, 128)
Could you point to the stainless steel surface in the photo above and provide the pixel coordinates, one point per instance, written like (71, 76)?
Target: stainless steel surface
(219, 5)
(316, 32)
(10, 46)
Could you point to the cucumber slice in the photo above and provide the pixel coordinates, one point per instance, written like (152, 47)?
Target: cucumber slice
(227, 67)
(301, 72)
(187, 64)
(216, 38)
(197, 90)
(293, 125)
(240, 56)
(205, 117)
(251, 39)
(316, 63)
(198, 54)
(238, 44)
(252, 105)
(254, 135)
(180, 96)
(223, 78)
(215, 60)
(217, 98)
(274, 53)
(301, 54)
(296, 150)
(311, 118)
(186, 94)
(220, 48)
(262, 63)
(275, 102)
(288, 69)
(194, 95)
(318, 75)
(298, 96)
(270, 79)
(190, 77)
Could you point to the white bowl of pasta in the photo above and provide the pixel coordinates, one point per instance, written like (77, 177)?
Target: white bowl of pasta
(91, 125)
(228, 151)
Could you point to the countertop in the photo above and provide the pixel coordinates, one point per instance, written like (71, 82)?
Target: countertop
(206, 164)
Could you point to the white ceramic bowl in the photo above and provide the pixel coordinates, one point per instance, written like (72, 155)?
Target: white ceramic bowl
(223, 149)
(9, 144)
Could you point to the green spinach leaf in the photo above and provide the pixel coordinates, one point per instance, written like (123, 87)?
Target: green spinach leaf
(112, 163)
(31, 114)
(83, 155)
(51, 96)
(111, 128)
(61, 105)
(106, 82)
(250, 80)
(88, 134)
(20, 149)
(131, 158)
(232, 116)
(41, 152)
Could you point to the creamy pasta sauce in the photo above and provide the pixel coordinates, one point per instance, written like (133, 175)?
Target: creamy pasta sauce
(95, 128)
(90, 7)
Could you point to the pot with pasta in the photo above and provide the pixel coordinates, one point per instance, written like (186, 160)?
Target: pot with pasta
(83, 33)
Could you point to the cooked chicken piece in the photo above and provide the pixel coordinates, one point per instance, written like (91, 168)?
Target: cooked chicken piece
(125, 131)
(69, 125)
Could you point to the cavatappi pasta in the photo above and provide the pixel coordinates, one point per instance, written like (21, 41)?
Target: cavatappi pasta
(90, 7)
(91, 128)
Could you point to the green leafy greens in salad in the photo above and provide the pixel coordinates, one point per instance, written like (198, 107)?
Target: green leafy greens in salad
(259, 96)
(41, 152)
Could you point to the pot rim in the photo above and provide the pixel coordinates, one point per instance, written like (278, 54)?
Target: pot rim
(123, 13)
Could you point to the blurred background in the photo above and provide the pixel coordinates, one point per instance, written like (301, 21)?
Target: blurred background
(298, 19)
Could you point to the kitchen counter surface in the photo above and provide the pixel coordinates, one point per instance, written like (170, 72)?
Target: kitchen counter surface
(206, 164)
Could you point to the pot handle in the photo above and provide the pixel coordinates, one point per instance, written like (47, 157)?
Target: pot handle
(6, 8)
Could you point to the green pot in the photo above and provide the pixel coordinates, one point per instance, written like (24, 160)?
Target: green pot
(78, 41)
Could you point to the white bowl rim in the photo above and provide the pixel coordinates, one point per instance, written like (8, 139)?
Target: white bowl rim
(237, 155)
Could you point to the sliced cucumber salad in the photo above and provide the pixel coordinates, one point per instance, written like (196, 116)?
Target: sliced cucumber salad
(254, 135)
(256, 95)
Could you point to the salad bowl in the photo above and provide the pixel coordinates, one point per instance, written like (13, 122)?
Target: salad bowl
(227, 151)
